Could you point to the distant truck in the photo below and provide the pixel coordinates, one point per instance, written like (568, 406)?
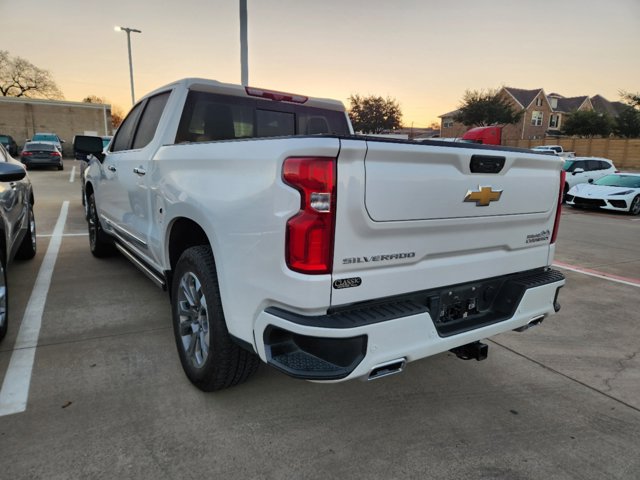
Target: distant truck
(485, 135)
(555, 149)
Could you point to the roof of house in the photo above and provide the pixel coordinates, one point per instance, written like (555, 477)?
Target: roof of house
(570, 104)
(449, 114)
(602, 105)
(523, 97)
(564, 105)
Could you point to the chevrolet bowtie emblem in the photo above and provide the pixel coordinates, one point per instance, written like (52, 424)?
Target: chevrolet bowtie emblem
(483, 197)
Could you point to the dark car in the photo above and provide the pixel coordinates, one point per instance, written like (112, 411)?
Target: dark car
(17, 224)
(36, 154)
(9, 143)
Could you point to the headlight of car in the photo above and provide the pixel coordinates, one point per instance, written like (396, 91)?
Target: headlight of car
(626, 192)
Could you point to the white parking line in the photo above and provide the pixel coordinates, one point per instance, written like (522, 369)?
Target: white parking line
(46, 235)
(72, 177)
(15, 388)
(633, 282)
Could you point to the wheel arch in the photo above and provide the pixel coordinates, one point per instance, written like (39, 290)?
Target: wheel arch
(182, 234)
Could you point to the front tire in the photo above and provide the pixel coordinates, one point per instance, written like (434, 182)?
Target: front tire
(209, 357)
(99, 242)
(27, 248)
(634, 209)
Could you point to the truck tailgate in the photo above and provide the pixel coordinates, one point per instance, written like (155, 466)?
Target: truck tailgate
(422, 182)
(403, 225)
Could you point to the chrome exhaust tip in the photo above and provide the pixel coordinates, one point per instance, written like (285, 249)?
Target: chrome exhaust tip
(387, 368)
(532, 323)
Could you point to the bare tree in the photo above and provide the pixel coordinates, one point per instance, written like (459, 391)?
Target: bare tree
(21, 78)
(94, 99)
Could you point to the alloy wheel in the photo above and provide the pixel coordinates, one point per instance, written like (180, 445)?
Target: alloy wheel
(194, 319)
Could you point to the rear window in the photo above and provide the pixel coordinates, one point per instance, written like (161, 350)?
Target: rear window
(209, 117)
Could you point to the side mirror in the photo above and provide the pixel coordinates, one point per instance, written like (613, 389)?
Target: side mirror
(85, 145)
(11, 172)
(62, 141)
(578, 170)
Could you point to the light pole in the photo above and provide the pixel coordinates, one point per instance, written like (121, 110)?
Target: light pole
(244, 49)
(129, 30)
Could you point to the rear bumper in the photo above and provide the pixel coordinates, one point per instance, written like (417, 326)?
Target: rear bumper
(42, 162)
(351, 343)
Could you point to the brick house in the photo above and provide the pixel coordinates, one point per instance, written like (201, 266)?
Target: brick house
(543, 114)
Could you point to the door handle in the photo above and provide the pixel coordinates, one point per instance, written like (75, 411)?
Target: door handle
(139, 171)
(111, 168)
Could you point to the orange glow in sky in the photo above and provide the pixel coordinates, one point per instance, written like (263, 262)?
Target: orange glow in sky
(425, 54)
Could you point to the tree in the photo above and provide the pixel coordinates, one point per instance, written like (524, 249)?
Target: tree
(587, 123)
(21, 78)
(480, 109)
(94, 99)
(374, 114)
(632, 99)
(628, 123)
(117, 116)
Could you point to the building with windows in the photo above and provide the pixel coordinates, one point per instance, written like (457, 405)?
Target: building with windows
(543, 115)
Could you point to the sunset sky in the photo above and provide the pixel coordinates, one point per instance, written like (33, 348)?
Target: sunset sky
(425, 54)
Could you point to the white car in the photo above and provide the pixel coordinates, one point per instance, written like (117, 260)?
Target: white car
(619, 191)
(586, 170)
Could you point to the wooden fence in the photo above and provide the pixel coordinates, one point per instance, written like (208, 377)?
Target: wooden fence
(624, 152)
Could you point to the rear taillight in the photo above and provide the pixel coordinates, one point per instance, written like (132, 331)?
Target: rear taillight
(309, 243)
(55, 154)
(556, 224)
(26, 154)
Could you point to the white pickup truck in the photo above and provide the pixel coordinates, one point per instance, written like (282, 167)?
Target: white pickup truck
(554, 149)
(281, 235)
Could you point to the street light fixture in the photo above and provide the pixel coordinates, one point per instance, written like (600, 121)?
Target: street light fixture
(129, 30)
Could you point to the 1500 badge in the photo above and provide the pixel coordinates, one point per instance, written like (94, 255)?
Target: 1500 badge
(378, 258)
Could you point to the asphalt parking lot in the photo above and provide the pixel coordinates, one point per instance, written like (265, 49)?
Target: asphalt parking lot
(108, 399)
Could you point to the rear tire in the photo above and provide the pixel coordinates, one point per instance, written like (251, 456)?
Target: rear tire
(209, 357)
(28, 248)
(99, 242)
(634, 209)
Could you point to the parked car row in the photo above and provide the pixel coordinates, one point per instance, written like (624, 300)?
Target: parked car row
(586, 170)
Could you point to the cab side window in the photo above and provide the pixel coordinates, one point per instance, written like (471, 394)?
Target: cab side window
(149, 120)
(122, 140)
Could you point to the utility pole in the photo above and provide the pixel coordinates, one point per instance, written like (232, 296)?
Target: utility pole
(244, 49)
